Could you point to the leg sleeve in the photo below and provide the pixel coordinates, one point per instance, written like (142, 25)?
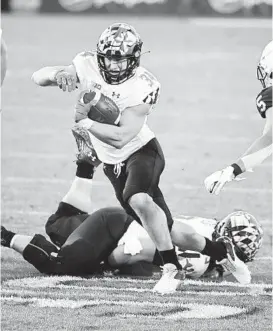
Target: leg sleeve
(38, 252)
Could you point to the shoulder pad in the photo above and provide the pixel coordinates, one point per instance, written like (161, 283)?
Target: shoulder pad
(264, 101)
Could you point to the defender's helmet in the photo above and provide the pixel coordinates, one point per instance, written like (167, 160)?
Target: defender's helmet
(265, 66)
(244, 231)
(120, 44)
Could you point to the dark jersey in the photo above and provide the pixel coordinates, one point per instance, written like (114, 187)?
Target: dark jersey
(264, 101)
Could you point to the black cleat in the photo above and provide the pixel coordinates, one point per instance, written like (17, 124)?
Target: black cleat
(6, 237)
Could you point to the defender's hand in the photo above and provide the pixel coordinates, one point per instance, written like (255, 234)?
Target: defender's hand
(216, 181)
(66, 81)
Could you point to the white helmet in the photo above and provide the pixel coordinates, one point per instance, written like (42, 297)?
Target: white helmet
(244, 231)
(265, 66)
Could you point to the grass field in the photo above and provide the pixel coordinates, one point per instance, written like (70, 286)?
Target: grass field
(205, 119)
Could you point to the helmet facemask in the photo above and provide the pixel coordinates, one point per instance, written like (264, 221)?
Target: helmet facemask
(119, 45)
(244, 231)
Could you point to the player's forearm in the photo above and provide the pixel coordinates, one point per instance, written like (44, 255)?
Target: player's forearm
(112, 135)
(109, 134)
(258, 152)
(45, 76)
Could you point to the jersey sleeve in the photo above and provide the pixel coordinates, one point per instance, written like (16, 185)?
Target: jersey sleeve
(264, 101)
(82, 61)
(147, 90)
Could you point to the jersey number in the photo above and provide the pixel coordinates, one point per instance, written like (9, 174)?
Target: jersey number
(149, 78)
(261, 104)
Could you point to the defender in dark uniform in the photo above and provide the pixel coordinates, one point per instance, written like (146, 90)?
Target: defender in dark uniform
(82, 241)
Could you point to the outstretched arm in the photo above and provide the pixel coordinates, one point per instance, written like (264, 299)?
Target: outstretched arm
(63, 76)
(259, 151)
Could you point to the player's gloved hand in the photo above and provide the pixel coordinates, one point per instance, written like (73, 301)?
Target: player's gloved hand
(66, 80)
(83, 105)
(216, 181)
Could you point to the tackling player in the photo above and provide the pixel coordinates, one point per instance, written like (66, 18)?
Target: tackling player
(261, 148)
(83, 242)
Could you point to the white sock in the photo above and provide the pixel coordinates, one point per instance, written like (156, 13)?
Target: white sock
(19, 242)
(79, 194)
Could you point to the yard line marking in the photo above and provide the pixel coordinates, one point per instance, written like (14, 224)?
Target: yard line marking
(41, 282)
(185, 187)
(101, 290)
(189, 310)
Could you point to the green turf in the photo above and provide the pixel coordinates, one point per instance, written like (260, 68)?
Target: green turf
(205, 119)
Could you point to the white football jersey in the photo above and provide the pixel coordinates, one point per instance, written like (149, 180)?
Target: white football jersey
(195, 264)
(143, 87)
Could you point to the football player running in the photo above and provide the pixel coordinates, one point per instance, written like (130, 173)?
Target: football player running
(132, 157)
(261, 148)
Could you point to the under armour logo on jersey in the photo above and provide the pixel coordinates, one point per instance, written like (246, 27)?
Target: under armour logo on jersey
(115, 95)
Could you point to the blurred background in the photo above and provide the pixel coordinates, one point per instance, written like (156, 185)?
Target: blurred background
(246, 8)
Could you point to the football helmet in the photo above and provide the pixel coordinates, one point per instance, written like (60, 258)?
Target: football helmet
(118, 53)
(265, 66)
(244, 231)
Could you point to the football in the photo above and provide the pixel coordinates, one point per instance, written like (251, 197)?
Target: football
(102, 109)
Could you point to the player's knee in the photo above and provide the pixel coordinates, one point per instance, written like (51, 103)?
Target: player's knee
(38, 253)
(140, 202)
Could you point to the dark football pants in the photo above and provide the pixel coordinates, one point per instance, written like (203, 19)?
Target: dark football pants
(87, 246)
(140, 174)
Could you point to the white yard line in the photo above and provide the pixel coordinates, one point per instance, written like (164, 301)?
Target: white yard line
(42, 282)
(101, 290)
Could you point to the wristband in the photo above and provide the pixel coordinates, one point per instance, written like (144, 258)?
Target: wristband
(237, 170)
(86, 123)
